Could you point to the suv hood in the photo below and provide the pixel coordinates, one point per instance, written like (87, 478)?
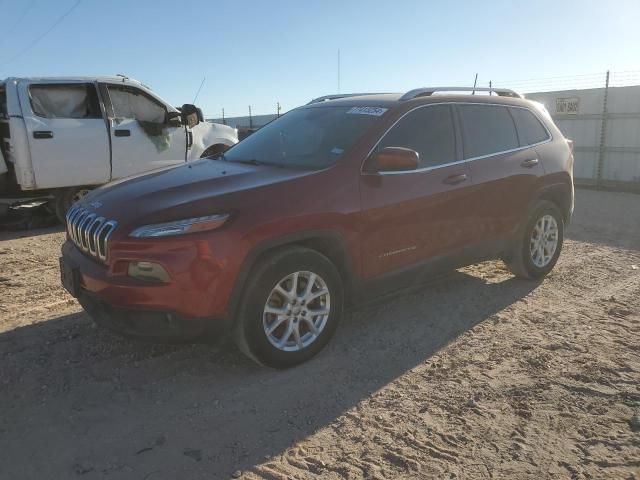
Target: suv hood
(203, 187)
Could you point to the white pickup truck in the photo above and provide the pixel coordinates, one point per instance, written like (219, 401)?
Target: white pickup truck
(61, 137)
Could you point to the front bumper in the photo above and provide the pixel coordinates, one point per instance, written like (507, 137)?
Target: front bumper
(155, 326)
(181, 310)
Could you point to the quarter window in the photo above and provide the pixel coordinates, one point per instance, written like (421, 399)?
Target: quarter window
(530, 130)
(487, 129)
(132, 103)
(427, 130)
(78, 100)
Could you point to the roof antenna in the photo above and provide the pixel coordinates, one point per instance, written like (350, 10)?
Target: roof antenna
(473, 92)
(199, 88)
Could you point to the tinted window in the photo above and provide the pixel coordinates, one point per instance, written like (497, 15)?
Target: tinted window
(428, 131)
(65, 101)
(132, 103)
(487, 129)
(307, 138)
(530, 130)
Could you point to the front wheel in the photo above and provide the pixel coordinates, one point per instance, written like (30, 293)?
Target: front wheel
(538, 246)
(291, 307)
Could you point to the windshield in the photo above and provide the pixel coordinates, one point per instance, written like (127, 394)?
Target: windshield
(308, 138)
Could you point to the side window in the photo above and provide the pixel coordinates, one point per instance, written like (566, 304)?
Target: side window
(487, 129)
(128, 102)
(530, 130)
(428, 131)
(76, 100)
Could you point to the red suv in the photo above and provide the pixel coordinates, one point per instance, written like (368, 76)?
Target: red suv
(348, 196)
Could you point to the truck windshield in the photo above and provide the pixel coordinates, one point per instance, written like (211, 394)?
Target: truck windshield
(307, 138)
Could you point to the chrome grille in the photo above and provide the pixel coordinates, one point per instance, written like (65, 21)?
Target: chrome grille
(89, 232)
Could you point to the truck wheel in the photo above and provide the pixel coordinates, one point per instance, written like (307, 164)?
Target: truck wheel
(66, 198)
(291, 307)
(538, 246)
(213, 150)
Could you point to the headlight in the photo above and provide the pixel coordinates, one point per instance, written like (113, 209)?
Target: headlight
(179, 227)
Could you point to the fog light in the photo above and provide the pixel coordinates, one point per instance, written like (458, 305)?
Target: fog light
(148, 272)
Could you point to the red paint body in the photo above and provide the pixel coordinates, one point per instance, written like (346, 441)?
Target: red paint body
(372, 225)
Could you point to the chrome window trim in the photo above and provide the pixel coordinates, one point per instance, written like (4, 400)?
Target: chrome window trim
(457, 162)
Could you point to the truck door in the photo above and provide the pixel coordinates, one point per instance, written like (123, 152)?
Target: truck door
(68, 138)
(142, 137)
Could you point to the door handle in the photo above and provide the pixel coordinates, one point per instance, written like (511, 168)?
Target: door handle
(122, 133)
(532, 162)
(455, 179)
(42, 134)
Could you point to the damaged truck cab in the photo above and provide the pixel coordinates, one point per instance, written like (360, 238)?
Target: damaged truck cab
(61, 137)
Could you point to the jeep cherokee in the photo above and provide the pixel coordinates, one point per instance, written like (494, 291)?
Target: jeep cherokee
(345, 195)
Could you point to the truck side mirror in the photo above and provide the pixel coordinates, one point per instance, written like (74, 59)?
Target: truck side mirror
(190, 115)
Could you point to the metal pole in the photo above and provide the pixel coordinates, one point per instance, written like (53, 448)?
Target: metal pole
(474, 85)
(603, 134)
(338, 70)
(250, 118)
(223, 120)
(278, 108)
(490, 91)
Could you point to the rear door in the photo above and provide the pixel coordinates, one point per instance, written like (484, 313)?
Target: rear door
(505, 171)
(67, 132)
(415, 216)
(142, 137)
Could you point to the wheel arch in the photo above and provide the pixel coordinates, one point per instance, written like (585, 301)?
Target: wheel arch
(329, 243)
(561, 195)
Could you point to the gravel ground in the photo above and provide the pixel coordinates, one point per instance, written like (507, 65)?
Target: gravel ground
(476, 376)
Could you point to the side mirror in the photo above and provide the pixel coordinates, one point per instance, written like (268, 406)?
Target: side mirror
(395, 159)
(200, 115)
(190, 115)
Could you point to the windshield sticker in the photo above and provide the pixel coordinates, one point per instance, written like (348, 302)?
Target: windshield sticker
(375, 111)
(337, 151)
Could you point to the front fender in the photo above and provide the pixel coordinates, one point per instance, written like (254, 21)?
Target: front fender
(206, 134)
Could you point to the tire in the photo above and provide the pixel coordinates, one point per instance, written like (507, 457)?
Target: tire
(279, 269)
(524, 262)
(64, 199)
(213, 150)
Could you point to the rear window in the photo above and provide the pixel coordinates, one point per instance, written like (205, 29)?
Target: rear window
(530, 130)
(487, 129)
(65, 101)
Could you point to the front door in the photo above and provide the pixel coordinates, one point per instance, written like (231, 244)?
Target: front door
(413, 217)
(142, 138)
(68, 138)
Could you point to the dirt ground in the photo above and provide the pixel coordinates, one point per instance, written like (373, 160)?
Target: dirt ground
(477, 376)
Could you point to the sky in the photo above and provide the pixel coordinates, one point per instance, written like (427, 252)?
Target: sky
(259, 53)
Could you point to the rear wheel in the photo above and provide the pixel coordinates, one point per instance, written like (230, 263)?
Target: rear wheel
(291, 307)
(538, 246)
(66, 198)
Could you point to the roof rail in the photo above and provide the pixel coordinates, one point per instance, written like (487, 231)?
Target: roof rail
(425, 92)
(337, 96)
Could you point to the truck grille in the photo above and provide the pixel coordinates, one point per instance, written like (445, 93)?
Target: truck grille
(89, 232)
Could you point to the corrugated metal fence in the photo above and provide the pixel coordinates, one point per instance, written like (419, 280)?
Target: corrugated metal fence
(604, 124)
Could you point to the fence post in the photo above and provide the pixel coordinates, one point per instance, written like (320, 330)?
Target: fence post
(603, 134)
